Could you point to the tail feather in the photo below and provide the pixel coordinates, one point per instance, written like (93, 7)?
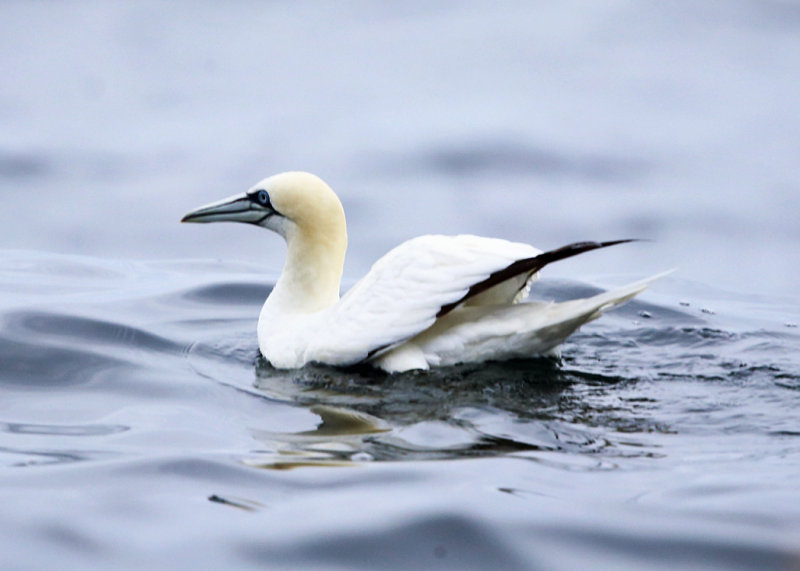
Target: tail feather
(566, 317)
(602, 302)
(492, 333)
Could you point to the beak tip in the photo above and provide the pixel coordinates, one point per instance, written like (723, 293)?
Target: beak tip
(192, 217)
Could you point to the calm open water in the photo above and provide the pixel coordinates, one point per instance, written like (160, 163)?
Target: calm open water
(138, 427)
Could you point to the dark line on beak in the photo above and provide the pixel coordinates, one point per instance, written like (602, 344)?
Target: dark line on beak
(192, 216)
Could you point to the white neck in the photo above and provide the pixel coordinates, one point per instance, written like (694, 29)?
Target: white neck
(312, 274)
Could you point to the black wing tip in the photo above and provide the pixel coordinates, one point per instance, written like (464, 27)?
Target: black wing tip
(615, 242)
(531, 265)
(592, 245)
(576, 248)
(623, 241)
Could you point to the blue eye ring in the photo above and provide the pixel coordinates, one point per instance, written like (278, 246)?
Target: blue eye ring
(263, 197)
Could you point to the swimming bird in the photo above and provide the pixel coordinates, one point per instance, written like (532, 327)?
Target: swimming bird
(431, 301)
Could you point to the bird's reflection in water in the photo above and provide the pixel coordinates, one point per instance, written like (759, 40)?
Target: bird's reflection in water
(491, 409)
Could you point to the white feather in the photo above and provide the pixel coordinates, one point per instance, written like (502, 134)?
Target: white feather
(403, 291)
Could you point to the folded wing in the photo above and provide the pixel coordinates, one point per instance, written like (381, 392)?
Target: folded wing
(421, 280)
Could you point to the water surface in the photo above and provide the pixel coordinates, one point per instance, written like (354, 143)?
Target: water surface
(138, 426)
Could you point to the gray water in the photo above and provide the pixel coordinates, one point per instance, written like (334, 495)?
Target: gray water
(138, 427)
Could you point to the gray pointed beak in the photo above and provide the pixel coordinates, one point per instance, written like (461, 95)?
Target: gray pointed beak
(238, 208)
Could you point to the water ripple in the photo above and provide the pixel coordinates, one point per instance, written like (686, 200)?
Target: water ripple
(84, 331)
(62, 429)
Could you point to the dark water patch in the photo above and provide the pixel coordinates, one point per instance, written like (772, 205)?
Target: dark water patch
(229, 293)
(686, 548)
(65, 536)
(513, 157)
(67, 164)
(36, 366)
(18, 166)
(439, 540)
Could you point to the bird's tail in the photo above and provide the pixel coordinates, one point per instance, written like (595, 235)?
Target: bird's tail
(492, 333)
(564, 318)
(595, 306)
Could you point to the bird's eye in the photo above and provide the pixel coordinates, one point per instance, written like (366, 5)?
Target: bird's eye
(262, 197)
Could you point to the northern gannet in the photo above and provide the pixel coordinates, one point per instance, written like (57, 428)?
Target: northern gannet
(431, 301)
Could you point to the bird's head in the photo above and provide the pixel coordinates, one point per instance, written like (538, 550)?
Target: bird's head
(284, 203)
